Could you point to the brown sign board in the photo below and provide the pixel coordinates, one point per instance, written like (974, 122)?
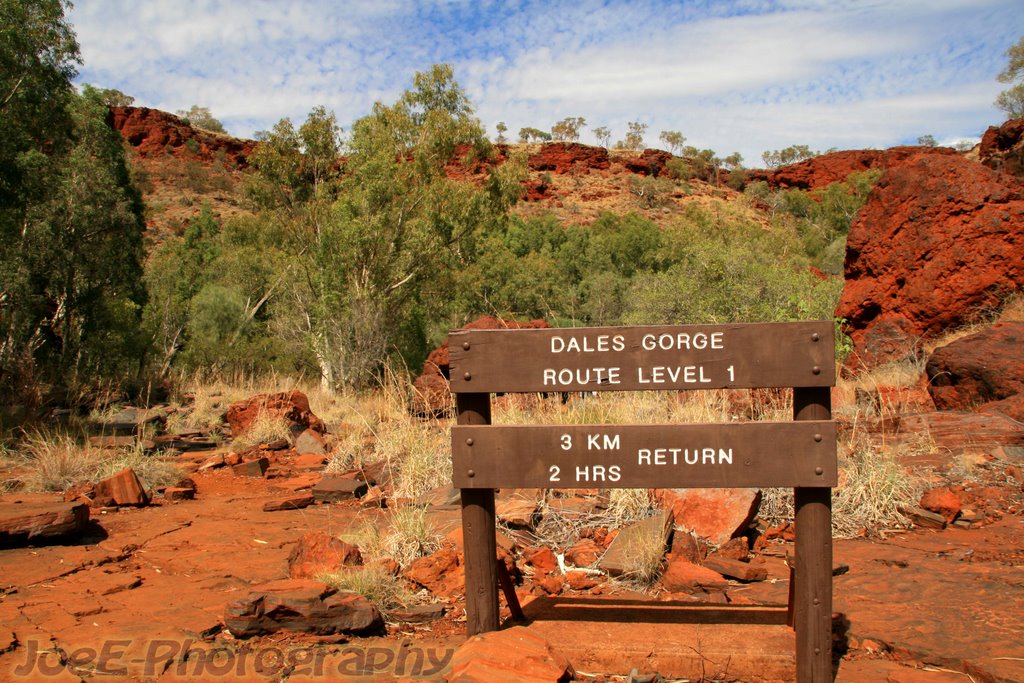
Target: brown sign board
(643, 358)
(751, 454)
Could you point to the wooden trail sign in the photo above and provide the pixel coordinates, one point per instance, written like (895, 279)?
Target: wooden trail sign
(801, 454)
(642, 358)
(753, 454)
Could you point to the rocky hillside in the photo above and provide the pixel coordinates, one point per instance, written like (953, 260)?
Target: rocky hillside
(939, 244)
(180, 168)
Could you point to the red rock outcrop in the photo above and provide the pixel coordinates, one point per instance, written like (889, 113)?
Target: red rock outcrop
(301, 605)
(293, 406)
(514, 654)
(317, 552)
(984, 367)
(121, 488)
(1002, 147)
(27, 522)
(650, 162)
(940, 240)
(431, 395)
(714, 514)
(155, 133)
(562, 157)
(823, 170)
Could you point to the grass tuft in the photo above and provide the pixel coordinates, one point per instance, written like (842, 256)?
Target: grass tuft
(404, 536)
(873, 487)
(385, 590)
(265, 428)
(57, 461)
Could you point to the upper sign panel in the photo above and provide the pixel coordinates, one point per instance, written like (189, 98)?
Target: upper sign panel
(643, 358)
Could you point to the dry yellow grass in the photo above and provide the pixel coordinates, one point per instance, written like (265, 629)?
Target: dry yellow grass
(54, 461)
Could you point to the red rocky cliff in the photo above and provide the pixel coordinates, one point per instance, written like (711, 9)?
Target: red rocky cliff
(153, 132)
(1002, 147)
(939, 241)
(826, 169)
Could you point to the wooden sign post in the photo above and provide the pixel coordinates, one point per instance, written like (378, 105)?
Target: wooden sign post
(799, 454)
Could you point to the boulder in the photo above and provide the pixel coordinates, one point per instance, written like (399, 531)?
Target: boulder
(983, 367)
(310, 442)
(518, 511)
(682, 576)
(584, 553)
(542, 560)
(310, 462)
(25, 522)
(942, 501)
(440, 573)
(1012, 407)
(431, 394)
(301, 605)
(334, 489)
(637, 538)
(124, 488)
(178, 493)
(1002, 147)
(296, 502)
(734, 569)
(564, 157)
(317, 552)
(714, 514)
(255, 468)
(939, 242)
(293, 406)
(515, 654)
(651, 162)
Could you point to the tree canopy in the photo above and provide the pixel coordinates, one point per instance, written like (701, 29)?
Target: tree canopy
(1011, 100)
(70, 218)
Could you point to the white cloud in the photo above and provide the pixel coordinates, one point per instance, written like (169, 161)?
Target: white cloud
(747, 75)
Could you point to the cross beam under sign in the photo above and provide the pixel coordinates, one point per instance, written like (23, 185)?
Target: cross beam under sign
(751, 454)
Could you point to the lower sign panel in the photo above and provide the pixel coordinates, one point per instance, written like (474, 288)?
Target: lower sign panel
(755, 454)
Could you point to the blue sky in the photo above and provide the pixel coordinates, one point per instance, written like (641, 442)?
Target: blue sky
(737, 75)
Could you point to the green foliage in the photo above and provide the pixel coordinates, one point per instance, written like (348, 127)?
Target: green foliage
(673, 139)
(634, 139)
(725, 270)
(535, 134)
(1011, 100)
(200, 117)
(70, 219)
(789, 155)
(927, 141)
(651, 192)
(341, 268)
(603, 135)
(502, 129)
(108, 96)
(568, 128)
(822, 217)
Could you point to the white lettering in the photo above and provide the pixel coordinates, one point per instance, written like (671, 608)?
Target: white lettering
(569, 376)
(598, 473)
(683, 340)
(599, 344)
(660, 374)
(603, 442)
(690, 456)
